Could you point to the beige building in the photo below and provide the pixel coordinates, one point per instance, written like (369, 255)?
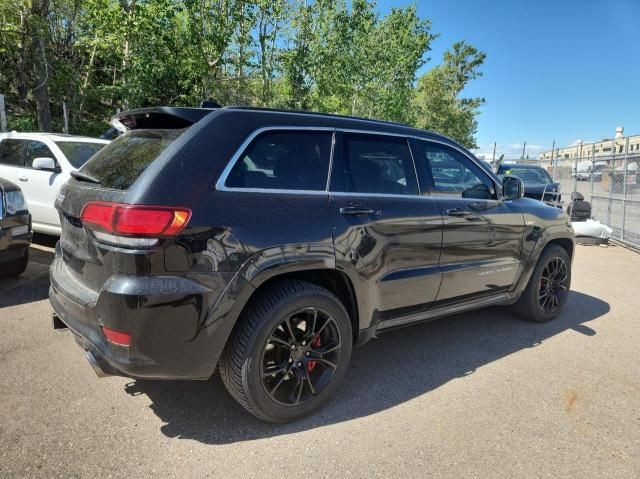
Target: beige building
(606, 147)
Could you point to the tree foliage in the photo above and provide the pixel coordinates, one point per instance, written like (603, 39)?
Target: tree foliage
(98, 56)
(438, 102)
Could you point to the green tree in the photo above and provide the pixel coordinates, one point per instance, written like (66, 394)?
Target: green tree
(438, 103)
(334, 56)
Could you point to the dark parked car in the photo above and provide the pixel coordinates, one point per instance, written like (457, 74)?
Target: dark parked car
(15, 230)
(538, 184)
(269, 243)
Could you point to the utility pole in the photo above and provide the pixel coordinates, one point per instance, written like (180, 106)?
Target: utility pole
(524, 147)
(493, 158)
(553, 163)
(65, 118)
(3, 115)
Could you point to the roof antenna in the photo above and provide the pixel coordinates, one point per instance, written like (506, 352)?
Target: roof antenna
(210, 104)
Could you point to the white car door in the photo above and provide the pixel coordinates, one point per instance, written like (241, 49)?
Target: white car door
(41, 188)
(12, 159)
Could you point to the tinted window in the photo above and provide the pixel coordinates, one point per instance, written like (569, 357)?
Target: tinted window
(284, 160)
(78, 152)
(447, 172)
(528, 175)
(122, 161)
(37, 149)
(11, 152)
(374, 164)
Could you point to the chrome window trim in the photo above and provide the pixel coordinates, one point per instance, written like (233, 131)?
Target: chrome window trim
(374, 195)
(464, 154)
(220, 184)
(415, 169)
(381, 195)
(333, 148)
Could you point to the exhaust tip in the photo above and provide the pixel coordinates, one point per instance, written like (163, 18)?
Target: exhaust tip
(95, 365)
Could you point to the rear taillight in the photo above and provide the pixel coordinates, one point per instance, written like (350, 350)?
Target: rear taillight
(121, 338)
(133, 225)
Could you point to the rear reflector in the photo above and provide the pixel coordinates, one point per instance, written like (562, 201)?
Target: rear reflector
(135, 220)
(120, 338)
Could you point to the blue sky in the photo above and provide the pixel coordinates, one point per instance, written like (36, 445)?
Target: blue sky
(563, 69)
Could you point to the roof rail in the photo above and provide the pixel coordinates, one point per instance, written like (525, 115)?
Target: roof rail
(313, 113)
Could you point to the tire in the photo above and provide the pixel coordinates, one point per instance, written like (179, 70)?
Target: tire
(536, 302)
(271, 369)
(15, 267)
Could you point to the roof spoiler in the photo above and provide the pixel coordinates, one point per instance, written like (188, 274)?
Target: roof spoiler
(158, 118)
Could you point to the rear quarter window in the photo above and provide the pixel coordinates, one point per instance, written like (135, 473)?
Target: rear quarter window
(284, 160)
(11, 152)
(122, 161)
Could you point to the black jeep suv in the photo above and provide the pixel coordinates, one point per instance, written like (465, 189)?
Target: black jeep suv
(269, 243)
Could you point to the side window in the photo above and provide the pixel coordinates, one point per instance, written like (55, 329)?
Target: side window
(447, 172)
(11, 152)
(284, 160)
(37, 149)
(369, 163)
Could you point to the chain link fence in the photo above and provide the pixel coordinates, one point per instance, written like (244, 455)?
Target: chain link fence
(611, 183)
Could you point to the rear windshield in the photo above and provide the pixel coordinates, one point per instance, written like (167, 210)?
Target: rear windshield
(79, 152)
(122, 161)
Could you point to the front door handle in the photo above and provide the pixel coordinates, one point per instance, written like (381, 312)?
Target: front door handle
(458, 212)
(355, 210)
(23, 178)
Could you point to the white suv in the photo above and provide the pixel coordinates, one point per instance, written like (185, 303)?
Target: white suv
(41, 163)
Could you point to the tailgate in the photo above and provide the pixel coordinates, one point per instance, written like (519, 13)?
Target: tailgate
(86, 261)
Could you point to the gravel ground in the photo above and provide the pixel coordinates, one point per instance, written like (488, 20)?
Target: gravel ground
(475, 395)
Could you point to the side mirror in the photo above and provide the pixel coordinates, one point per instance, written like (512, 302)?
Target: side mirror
(512, 187)
(43, 163)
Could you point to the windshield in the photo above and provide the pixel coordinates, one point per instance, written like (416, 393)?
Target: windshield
(78, 152)
(124, 159)
(529, 175)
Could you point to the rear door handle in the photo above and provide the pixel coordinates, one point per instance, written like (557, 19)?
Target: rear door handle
(23, 178)
(459, 212)
(355, 210)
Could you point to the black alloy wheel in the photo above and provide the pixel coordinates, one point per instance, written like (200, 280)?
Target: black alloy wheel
(289, 352)
(300, 356)
(553, 284)
(548, 288)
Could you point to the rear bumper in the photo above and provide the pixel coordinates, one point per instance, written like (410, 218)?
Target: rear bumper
(178, 330)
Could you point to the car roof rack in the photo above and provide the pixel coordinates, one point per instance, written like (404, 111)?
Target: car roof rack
(313, 113)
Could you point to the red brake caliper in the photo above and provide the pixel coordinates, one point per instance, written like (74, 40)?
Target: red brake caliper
(311, 364)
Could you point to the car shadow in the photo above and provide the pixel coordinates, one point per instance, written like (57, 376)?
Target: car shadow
(30, 286)
(400, 366)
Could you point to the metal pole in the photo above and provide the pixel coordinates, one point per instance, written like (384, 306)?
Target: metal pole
(593, 162)
(611, 170)
(3, 115)
(493, 158)
(553, 165)
(578, 158)
(575, 176)
(524, 147)
(624, 186)
(65, 117)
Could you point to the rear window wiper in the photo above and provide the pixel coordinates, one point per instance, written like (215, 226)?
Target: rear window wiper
(79, 175)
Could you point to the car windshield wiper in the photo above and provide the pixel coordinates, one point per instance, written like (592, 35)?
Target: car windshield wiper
(79, 175)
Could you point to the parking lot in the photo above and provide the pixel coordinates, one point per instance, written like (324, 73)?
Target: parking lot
(476, 395)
